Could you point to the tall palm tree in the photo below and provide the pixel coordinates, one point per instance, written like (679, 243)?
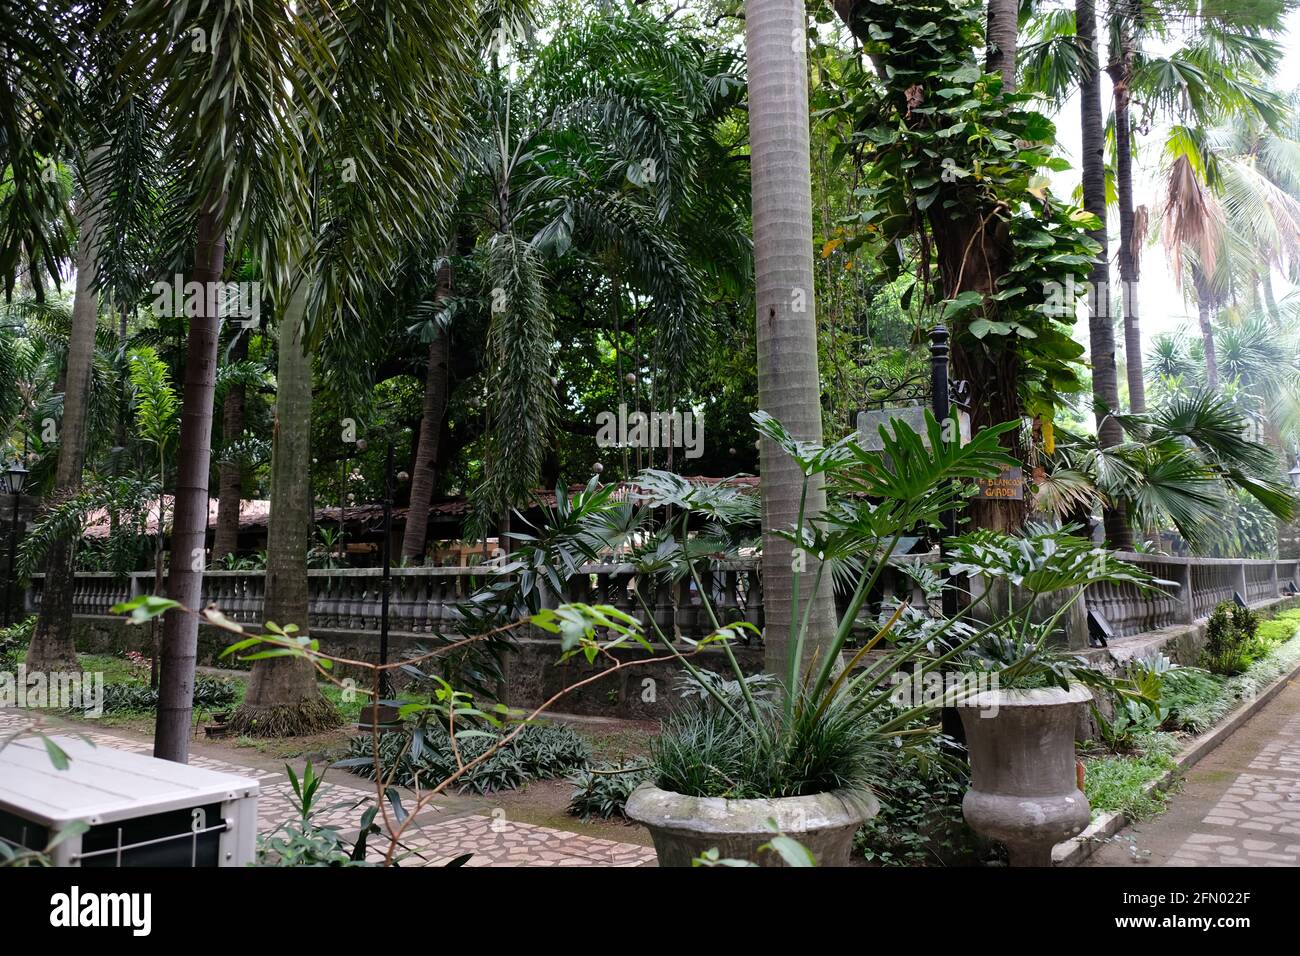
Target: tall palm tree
(1214, 70)
(1125, 20)
(388, 75)
(1101, 331)
(232, 77)
(1002, 30)
(52, 647)
(789, 387)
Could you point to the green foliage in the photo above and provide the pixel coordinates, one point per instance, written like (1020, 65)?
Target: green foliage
(948, 154)
(304, 842)
(426, 756)
(157, 406)
(1230, 640)
(920, 822)
(13, 642)
(1120, 783)
(602, 790)
(830, 729)
(211, 694)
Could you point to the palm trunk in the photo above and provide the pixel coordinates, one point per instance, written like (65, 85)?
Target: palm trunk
(788, 382)
(1003, 26)
(190, 508)
(52, 647)
(1204, 306)
(424, 473)
(1121, 69)
(283, 699)
(1101, 330)
(231, 480)
(1266, 290)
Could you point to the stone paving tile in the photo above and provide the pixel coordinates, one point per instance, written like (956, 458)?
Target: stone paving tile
(1264, 804)
(495, 842)
(491, 841)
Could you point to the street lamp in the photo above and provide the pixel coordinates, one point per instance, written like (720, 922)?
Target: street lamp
(1294, 474)
(11, 483)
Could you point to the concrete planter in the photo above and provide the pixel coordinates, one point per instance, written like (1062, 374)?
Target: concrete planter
(684, 827)
(1024, 786)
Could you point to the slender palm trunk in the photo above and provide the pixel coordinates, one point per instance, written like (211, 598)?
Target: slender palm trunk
(1121, 72)
(424, 474)
(788, 383)
(190, 508)
(1101, 330)
(52, 647)
(231, 474)
(283, 699)
(1204, 308)
(1003, 26)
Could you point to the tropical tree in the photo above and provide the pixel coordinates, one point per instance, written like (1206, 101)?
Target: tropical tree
(1180, 468)
(375, 182)
(789, 387)
(232, 76)
(1214, 71)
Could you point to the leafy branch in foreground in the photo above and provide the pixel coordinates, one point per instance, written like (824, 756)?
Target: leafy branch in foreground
(582, 630)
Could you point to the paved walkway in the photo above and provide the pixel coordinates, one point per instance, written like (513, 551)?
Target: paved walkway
(456, 827)
(1240, 806)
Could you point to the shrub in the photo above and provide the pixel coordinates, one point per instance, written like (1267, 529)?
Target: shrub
(427, 758)
(210, 694)
(602, 791)
(13, 643)
(706, 750)
(1231, 644)
(920, 821)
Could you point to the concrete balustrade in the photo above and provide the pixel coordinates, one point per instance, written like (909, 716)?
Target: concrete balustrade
(424, 600)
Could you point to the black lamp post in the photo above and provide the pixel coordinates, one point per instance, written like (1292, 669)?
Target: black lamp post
(386, 687)
(11, 483)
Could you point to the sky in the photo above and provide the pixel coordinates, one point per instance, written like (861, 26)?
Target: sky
(1161, 307)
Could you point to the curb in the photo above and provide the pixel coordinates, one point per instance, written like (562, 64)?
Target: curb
(1077, 849)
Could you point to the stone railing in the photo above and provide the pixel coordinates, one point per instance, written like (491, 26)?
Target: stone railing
(424, 600)
(1190, 589)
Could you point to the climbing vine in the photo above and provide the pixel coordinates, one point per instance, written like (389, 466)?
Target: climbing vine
(955, 193)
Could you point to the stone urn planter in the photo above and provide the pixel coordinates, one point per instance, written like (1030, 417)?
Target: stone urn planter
(684, 827)
(1024, 782)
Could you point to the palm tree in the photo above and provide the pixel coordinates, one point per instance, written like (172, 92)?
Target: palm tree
(1101, 331)
(1213, 72)
(52, 647)
(424, 472)
(1179, 468)
(599, 159)
(229, 96)
(1002, 29)
(789, 387)
(409, 66)
(1120, 67)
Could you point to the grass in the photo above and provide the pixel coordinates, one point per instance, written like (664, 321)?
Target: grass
(1117, 783)
(1197, 700)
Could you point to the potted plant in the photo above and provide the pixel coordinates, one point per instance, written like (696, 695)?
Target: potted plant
(732, 766)
(1026, 783)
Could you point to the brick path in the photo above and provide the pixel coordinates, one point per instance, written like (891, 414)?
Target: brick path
(437, 835)
(1240, 806)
